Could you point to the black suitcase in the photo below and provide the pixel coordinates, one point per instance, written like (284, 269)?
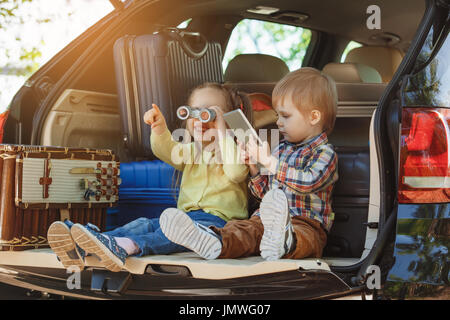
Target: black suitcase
(160, 68)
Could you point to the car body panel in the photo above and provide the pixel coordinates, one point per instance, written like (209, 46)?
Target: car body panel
(422, 244)
(422, 241)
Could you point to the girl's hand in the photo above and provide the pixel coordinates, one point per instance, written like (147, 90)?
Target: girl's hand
(155, 119)
(220, 124)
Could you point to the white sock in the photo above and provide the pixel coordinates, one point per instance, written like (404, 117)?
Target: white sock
(128, 245)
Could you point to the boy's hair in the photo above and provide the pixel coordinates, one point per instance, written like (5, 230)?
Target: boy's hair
(309, 90)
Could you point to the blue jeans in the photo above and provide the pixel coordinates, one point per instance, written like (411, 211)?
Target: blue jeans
(150, 239)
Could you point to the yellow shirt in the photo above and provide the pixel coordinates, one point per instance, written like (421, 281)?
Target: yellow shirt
(216, 187)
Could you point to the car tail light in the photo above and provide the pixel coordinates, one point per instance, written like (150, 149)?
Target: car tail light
(424, 156)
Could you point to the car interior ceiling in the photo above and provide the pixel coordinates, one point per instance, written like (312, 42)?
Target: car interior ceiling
(347, 23)
(351, 134)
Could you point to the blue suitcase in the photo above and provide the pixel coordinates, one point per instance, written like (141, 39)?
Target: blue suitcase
(146, 190)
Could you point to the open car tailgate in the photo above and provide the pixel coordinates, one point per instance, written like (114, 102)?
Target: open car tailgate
(199, 268)
(183, 275)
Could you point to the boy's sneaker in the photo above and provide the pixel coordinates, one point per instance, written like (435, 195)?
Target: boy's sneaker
(61, 242)
(179, 228)
(278, 237)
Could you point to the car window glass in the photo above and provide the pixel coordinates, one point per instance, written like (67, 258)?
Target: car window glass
(430, 86)
(351, 45)
(184, 24)
(288, 43)
(435, 35)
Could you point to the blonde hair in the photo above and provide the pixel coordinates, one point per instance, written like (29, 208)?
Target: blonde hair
(309, 90)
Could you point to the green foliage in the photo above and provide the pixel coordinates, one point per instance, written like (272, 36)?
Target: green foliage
(8, 9)
(286, 42)
(30, 56)
(9, 16)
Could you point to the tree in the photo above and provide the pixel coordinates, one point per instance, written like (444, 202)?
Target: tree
(286, 42)
(9, 16)
(32, 31)
(8, 9)
(18, 60)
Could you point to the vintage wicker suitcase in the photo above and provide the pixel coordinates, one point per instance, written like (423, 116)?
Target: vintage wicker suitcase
(40, 185)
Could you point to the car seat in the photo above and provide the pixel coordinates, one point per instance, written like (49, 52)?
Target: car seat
(359, 87)
(383, 59)
(352, 73)
(255, 67)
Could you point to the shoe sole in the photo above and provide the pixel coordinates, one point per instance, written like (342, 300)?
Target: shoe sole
(179, 228)
(61, 242)
(274, 212)
(89, 243)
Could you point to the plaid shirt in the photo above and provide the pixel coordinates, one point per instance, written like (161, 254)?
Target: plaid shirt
(306, 172)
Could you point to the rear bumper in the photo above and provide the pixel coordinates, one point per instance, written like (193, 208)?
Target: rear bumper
(44, 282)
(102, 284)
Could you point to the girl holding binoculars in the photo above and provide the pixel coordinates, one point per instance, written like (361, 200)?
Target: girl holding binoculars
(211, 192)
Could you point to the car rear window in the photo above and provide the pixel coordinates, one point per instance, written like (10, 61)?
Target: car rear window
(286, 42)
(351, 45)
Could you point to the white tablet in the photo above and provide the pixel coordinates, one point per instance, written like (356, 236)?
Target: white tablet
(240, 125)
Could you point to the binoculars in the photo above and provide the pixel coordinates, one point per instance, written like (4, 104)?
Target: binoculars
(204, 114)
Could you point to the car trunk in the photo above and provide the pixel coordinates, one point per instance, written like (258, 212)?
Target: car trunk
(146, 191)
(92, 119)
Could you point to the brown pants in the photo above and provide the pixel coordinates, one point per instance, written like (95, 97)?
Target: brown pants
(241, 238)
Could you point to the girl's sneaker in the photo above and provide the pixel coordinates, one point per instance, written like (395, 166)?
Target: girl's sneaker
(278, 237)
(62, 244)
(103, 246)
(178, 227)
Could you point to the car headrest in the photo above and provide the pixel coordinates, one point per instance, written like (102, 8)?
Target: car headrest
(255, 68)
(263, 112)
(383, 59)
(352, 72)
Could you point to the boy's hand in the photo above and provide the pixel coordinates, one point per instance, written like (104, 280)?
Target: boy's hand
(243, 154)
(245, 158)
(155, 119)
(262, 154)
